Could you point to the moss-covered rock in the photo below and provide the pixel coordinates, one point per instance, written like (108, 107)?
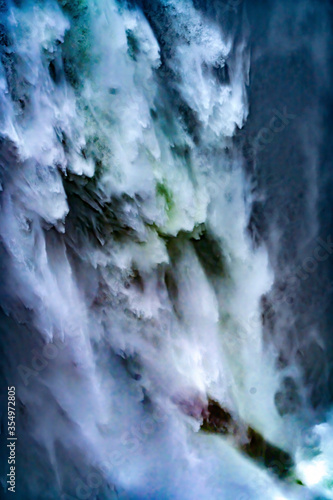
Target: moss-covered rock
(164, 192)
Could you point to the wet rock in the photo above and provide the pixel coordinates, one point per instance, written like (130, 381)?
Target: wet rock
(269, 455)
(219, 421)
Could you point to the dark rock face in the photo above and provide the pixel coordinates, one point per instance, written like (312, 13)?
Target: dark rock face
(217, 420)
(277, 460)
(220, 421)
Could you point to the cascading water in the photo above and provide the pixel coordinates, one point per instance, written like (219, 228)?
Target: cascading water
(137, 284)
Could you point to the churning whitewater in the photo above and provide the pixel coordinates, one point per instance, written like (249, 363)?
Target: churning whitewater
(132, 291)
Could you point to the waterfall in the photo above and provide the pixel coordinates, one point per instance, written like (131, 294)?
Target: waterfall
(137, 291)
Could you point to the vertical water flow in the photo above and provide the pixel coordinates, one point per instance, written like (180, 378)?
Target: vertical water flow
(290, 77)
(131, 289)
